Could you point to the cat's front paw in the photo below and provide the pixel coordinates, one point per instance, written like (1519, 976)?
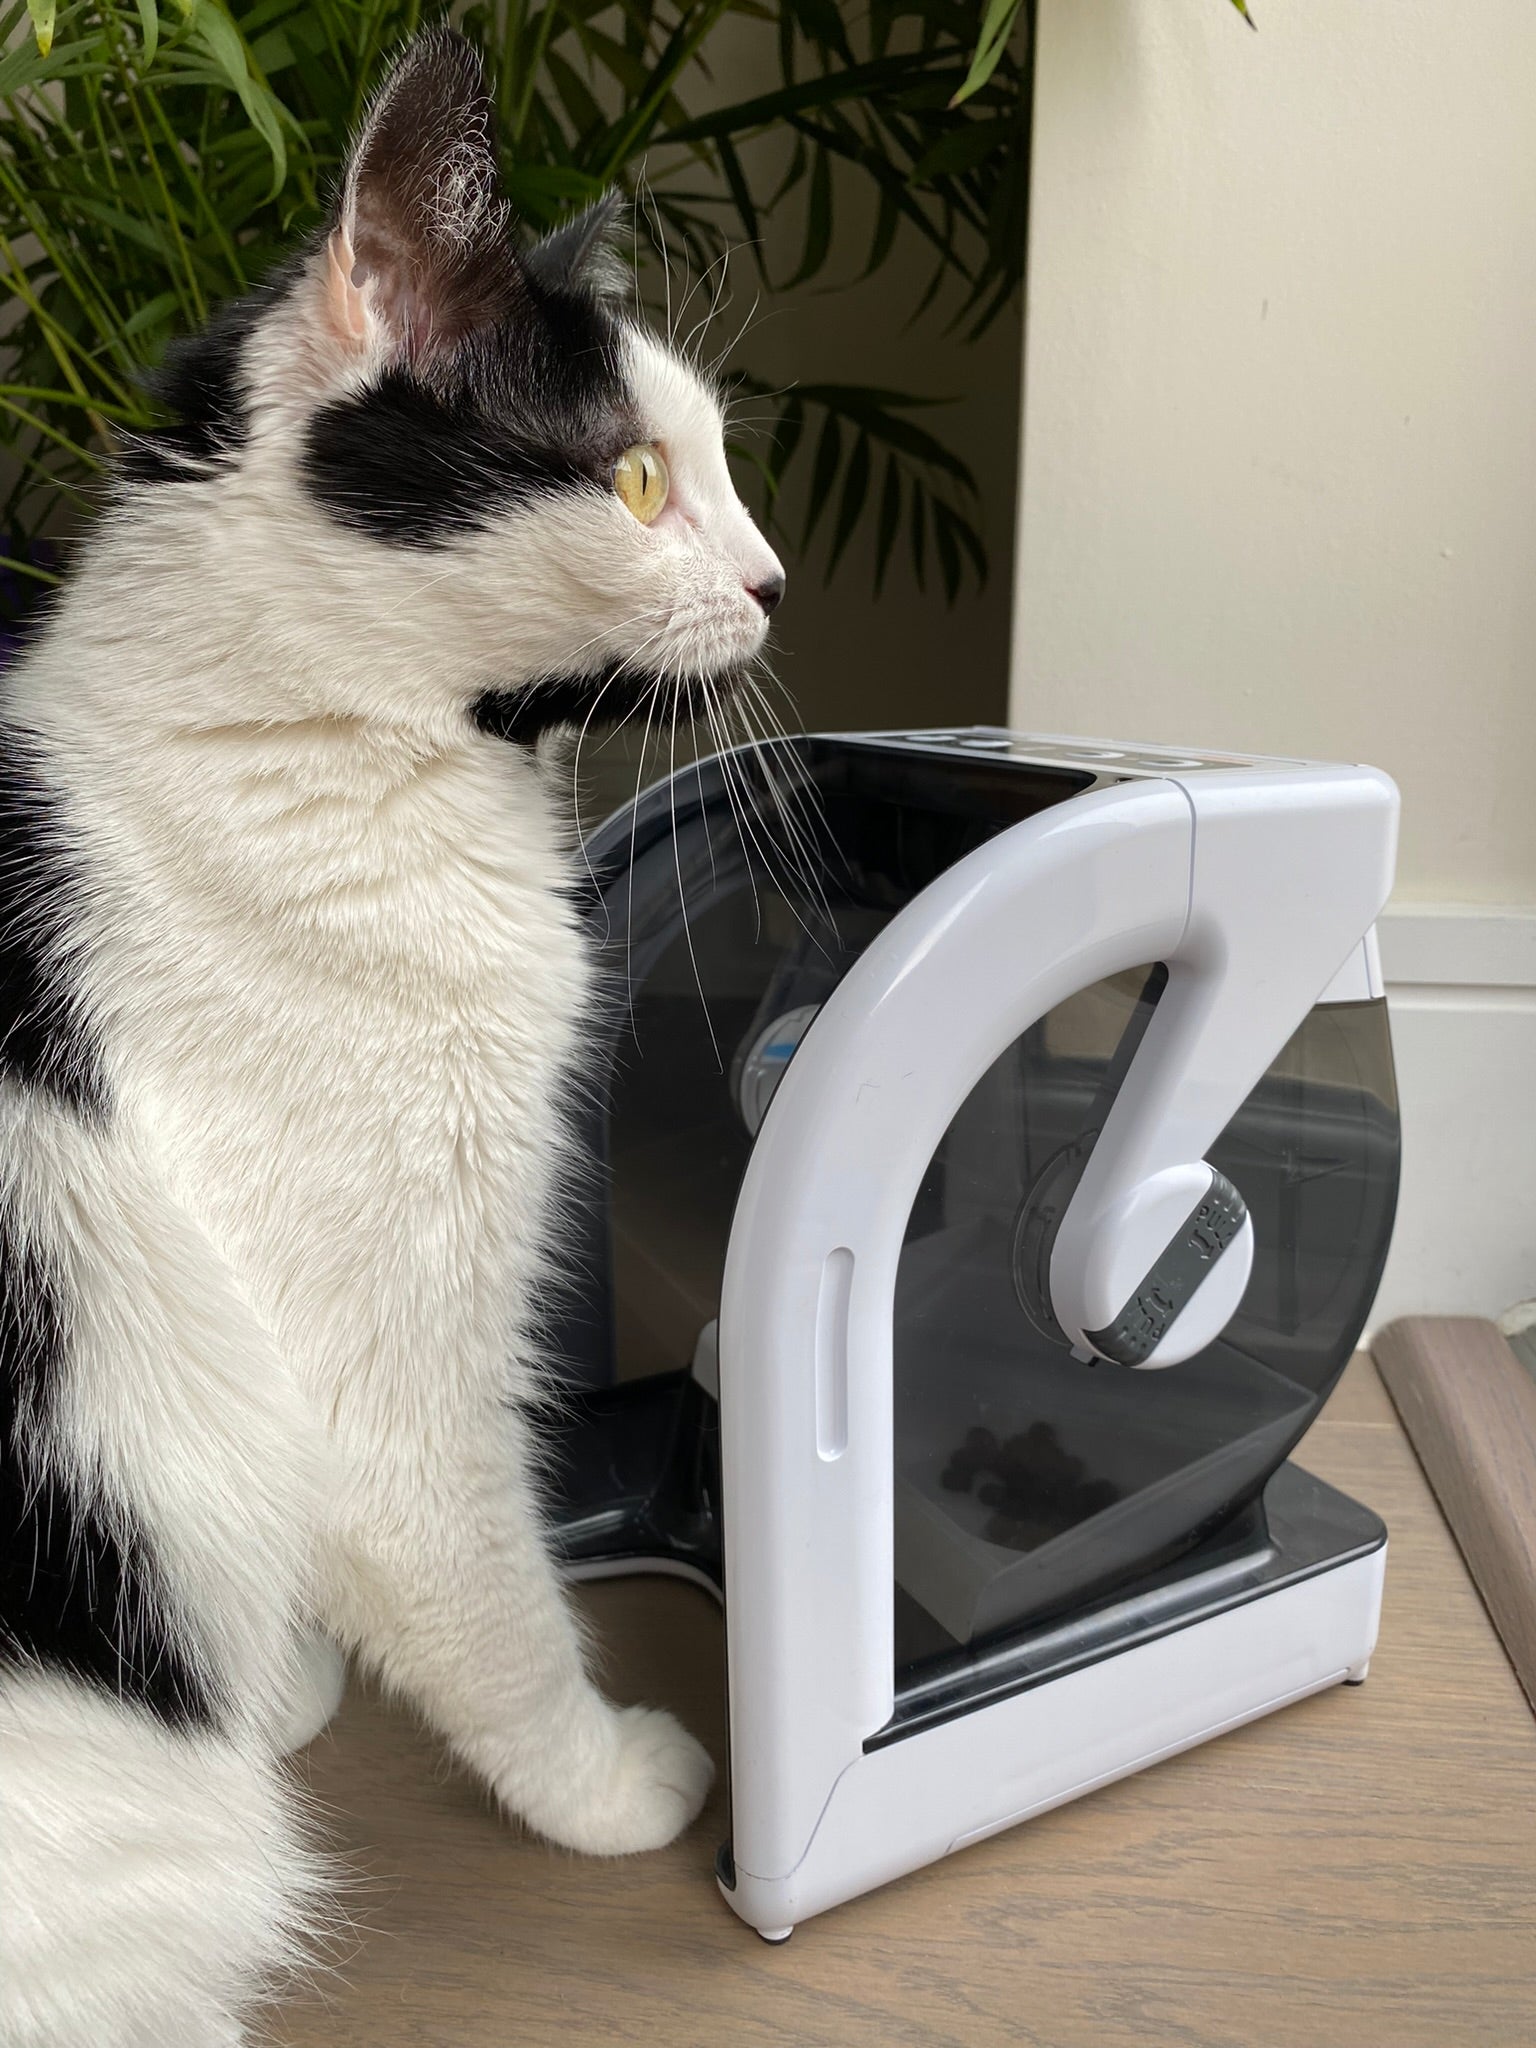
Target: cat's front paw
(635, 1787)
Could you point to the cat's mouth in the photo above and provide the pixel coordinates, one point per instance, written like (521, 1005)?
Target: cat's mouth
(607, 698)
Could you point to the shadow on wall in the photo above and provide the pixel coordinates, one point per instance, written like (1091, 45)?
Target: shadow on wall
(847, 657)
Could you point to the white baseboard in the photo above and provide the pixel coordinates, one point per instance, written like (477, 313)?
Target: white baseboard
(1461, 985)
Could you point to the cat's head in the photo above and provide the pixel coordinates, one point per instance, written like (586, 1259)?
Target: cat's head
(467, 460)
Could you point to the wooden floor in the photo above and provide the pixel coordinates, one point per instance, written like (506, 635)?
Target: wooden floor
(1360, 1869)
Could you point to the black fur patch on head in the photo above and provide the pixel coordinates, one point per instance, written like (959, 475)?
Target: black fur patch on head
(45, 1041)
(522, 716)
(77, 1592)
(532, 406)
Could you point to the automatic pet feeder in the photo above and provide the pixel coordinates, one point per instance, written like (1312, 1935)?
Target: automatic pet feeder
(957, 1316)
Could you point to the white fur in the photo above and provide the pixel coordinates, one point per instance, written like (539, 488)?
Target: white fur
(340, 994)
(149, 1884)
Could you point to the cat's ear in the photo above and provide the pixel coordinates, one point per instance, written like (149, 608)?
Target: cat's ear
(421, 255)
(583, 255)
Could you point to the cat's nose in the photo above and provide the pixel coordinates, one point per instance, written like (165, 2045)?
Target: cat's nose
(768, 592)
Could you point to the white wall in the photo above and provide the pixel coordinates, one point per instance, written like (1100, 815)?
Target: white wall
(1461, 985)
(1279, 485)
(1279, 489)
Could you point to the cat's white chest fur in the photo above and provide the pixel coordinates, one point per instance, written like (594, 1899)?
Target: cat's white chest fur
(350, 1064)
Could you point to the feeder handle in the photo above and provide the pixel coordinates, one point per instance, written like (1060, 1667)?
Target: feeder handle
(1288, 871)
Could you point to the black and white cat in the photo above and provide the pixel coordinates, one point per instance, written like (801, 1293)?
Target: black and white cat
(292, 988)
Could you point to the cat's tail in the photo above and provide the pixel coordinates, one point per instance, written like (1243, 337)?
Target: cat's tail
(159, 1486)
(155, 1881)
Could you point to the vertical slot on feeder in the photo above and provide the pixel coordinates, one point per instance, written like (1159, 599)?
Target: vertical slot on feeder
(832, 1354)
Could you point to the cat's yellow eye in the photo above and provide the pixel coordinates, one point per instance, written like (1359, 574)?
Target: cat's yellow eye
(641, 480)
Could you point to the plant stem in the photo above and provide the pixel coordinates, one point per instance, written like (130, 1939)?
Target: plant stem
(111, 412)
(53, 434)
(64, 269)
(132, 87)
(542, 33)
(29, 569)
(680, 51)
(198, 187)
(60, 341)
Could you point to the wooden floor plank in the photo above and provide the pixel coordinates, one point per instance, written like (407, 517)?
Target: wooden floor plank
(1358, 1869)
(1358, 1397)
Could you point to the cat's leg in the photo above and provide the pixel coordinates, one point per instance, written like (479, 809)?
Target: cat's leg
(153, 1879)
(443, 1582)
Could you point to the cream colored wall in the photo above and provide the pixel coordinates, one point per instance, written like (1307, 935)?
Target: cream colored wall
(1279, 479)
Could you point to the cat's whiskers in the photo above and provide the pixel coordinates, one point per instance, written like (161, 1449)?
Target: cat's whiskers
(647, 198)
(633, 659)
(805, 797)
(702, 692)
(800, 856)
(735, 340)
(634, 824)
(420, 591)
(701, 326)
(596, 705)
(634, 243)
(611, 632)
(699, 334)
(779, 390)
(725, 751)
(785, 871)
(687, 295)
(677, 865)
